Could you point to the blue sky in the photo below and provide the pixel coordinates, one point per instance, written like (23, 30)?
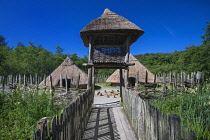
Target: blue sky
(169, 25)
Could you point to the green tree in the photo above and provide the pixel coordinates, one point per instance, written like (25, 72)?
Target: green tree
(2, 41)
(206, 36)
(59, 50)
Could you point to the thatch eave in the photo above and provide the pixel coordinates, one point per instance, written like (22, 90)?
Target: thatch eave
(110, 23)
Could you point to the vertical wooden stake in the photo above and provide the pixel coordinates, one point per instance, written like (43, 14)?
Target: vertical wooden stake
(164, 82)
(146, 77)
(66, 82)
(61, 84)
(170, 81)
(31, 80)
(24, 80)
(126, 77)
(44, 80)
(51, 90)
(78, 79)
(16, 79)
(93, 80)
(19, 80)
(121, 84)
(36, 79)
(137, 79)
(89, 78)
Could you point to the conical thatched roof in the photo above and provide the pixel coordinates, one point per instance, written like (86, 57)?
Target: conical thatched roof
(110, 22)
(69, 68)
(138, 67)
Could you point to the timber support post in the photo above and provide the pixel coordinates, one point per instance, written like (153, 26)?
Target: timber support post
(121, 84)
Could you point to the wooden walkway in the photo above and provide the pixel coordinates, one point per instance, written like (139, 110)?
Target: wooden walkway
(108, 121)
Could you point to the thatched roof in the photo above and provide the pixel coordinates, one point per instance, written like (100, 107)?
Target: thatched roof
(69, 68)
(110, 22)
(138, 67)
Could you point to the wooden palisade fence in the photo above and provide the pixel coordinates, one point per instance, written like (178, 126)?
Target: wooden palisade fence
(176, 81)
(150, 123)
(70, 124)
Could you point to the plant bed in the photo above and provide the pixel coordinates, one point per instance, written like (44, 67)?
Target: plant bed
(193, 107)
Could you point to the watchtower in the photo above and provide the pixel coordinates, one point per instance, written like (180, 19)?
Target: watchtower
(109, 38)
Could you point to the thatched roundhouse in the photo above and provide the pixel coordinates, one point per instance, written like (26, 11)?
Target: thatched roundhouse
(114, 79)
(67, 70)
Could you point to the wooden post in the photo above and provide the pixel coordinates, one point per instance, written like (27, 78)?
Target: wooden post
(24, 80)
(175, 80)
(182, 81)
(19, 80)
(16, 79)
(203, 77)
(126, 77)
(12, 78)
(0, 80)
(164, 82)
(121, 84)
(127, 49)
(155, 82)
(89, 78)
(90, 60)
(199, 76)
(61, 84)
(36, 79)
(78, 79)
(51, 90)
(44, 80)
(137, 79)
(66, 82)
(93, 80)
(31, 80)
(146, 77)
(3, 83)
(171, 81)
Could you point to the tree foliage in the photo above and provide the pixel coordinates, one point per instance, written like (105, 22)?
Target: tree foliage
(194, 58)
(32, 59)
(206, 36)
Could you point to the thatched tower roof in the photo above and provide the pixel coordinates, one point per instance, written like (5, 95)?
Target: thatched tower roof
(69, 68)
(110, 22)
(138, 67)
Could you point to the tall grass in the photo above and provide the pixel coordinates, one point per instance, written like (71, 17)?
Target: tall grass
(19, 112)
(192, 107)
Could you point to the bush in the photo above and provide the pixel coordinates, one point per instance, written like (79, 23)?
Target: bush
(20, 110)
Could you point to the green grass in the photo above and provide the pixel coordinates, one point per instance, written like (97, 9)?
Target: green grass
(19, 112)
(192, 107)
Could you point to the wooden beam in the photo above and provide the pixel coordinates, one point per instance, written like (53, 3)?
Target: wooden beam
(108, 65)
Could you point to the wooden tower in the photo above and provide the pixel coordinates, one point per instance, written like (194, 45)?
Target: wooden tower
(109, 38)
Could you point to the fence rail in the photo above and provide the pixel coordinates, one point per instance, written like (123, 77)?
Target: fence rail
(150, 123)
(70, 124)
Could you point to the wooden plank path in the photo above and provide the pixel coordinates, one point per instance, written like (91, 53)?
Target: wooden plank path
(108, 121)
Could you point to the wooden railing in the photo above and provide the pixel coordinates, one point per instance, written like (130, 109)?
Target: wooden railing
(70, 124)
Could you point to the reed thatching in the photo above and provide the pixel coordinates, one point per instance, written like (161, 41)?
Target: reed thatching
(67, 68)
(133, 70)
(110, 22)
